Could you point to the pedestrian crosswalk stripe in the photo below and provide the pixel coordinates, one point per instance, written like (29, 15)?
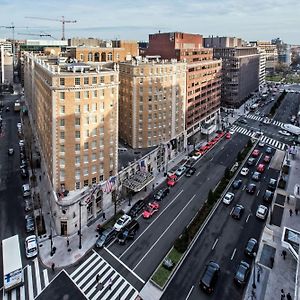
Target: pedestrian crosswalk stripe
(30, 284)
(46, 279)
(85, 278)
(37, 272)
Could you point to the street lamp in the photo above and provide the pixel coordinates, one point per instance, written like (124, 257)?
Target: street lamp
(253, 281)
(79, 232)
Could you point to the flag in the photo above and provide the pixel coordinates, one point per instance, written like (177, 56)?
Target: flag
(110, 184)
(143, 166)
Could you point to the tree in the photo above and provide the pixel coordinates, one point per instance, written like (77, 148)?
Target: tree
(227, 173)
(239, 156)
(210, 197)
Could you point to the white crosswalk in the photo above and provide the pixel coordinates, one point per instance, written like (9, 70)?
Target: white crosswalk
(272, 142)
(277, 123)
(260, 119)
(85, 278)
(33, 283)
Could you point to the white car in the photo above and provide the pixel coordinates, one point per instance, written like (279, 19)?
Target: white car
(261, 144)
(21, 143)
(231, 131)
(180, 171)
(262, 212)
(196, 156)
(284, 132)
(19, 125)
(122, 222)
(228, 198)
(244, 171)
(31, 246)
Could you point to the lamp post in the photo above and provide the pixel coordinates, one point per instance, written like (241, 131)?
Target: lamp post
(253, 281)
(79, 232)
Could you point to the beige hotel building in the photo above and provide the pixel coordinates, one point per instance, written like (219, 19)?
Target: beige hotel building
(73, 108)
(152, 102)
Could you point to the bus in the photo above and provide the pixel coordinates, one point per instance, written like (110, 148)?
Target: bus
(12, 263)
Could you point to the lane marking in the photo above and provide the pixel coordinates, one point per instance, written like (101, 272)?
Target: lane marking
(248, 218)
(152, 223)
(189, 293)
(233, 254)
(214, 245)
(83, 264)
(37, 276)
(163, 233)
(124, 265)
(231, 211)
(46, 279)
(30, 286)
(257, 193)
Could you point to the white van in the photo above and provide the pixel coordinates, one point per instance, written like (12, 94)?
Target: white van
(26, 190)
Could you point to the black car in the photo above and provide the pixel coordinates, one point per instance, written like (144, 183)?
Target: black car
(242, 273)
(209, 277)
(136, 208)
(24, 173)
(272, 184)
(251, 161)
(269, 150)
(128, 232)
(238, 211)
(190, 172)
(251, 188)
(268, 196)
(256, 176)
(237, 184)
(162, 193)
(243, 121)
(105, 237)
(251, 247)
(29, 223)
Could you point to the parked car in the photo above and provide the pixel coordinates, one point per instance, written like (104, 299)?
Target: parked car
(31, 246)
(238, 211)
(24, 173)
(171, 180)
(284, 132)
(28, 205)
(242, 273)
(190, 172)
(261, 144)
(267, 159)
(29, 223)
(162, 193)
(269, 150)
(128, 232)
(105, 237)
(244, 171)
(136, 208)
(122, 222)
(251, 247)
(251, 188)
(256, 176)
(11, 151)
(210, 276)
(262, 212)
(237, 184)
(251, 161)
(272, 184)
(243, 121)
(228, 135)
(150, 210)
(268, 196)
(180, 171)
(228, 198)
(255, 153)
(261, 168)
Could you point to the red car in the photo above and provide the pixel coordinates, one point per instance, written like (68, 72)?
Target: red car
(267, 159)
(150, 210)
(171, 180)
(255, 153)
(221, 134)
(203, 148)
(261, 168)
(228, 135)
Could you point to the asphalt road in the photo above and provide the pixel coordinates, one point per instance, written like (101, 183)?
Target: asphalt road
(157, 234)
(11, 201)
(230, 237)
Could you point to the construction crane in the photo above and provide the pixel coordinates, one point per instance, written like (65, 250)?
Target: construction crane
(62, 20)
(42, 34)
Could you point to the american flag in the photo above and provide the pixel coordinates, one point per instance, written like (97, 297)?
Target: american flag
(143, 166)
(110, 184)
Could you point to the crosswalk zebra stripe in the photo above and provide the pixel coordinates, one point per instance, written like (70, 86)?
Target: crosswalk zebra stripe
(30, 284)
(46, 279)
(37, 276)
(277, 144)
(108, 291)
(111, 274)
(283, 146)
(127, 293)
(80, 275)
(83, 265)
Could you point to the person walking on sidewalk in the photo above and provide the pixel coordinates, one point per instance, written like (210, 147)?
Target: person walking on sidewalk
(288, 296)
(103, 216)
(283, 254)
(296, 211)
(291, 212)
(282, 295)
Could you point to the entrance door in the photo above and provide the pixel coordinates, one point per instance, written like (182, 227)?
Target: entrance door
(63, 228)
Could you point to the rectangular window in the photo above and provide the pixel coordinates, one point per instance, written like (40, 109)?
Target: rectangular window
(62, 109)
(95, 119)
(77, 159)
(85, 171)
(85, 159)
(86, 107)
(62, 148)
(94, 107)
(102, 79)
(87, 120)
(94, 94)
(77, 121)
(101, 93)
(87, 133)
(86, 94)
(77, 186)
(94, 132)
(77, 147)
(62, 175)
(94, 80)
(101, 178)
(77, 109)
(86, 182)
(86, 146)
(61, 161)
(77, 134)
(62, 122)
(94, 156)
(61, 81)
(77, 95)
(111, 77)
(62, 135)
(86, 80)
(94, 144)
(77, 174)
(77, 81)
(94, 169)
(62, 95)
(94, 180)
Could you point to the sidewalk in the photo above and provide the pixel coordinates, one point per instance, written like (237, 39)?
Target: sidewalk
(283, 273)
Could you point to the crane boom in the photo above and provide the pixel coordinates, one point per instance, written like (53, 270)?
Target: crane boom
(62, 20)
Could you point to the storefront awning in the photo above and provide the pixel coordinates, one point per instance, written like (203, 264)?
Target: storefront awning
(138, 181)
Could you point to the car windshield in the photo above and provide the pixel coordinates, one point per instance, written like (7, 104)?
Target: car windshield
(120, 221)
(240, 274)
(32, 249)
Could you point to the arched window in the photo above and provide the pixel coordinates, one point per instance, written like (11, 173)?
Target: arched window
(109, 56)
(90, 56)
(103, 56)
(96, 57)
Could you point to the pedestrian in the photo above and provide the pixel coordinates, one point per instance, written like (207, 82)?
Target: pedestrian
(296, 211)
(110, 283)
(288, 199)
(53, 267)
(288, 296)
(283, 254)
(97, 278)
(68, 242)
(282, 294)
(103, 216)
(291, 212)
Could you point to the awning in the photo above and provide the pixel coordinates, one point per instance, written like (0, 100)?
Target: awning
(138, 181)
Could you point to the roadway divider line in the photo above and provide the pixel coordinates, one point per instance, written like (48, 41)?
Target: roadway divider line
(124, 265)
(30, 285)
(164, 232)
(208, 218)
(37, 276)
(152, 222)
(46, 279)
(248, 218)
(233, 254)
(214, 245)
(189, 293)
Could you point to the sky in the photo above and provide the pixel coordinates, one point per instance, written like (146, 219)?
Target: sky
(135, 20)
